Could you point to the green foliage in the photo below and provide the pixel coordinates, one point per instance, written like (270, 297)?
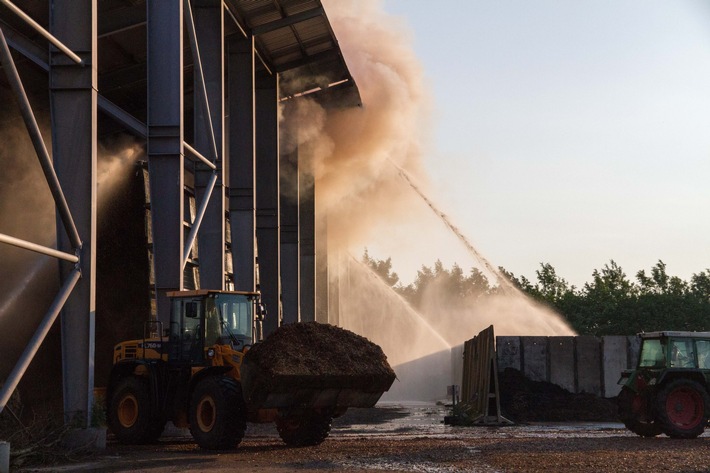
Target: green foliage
(610, 304)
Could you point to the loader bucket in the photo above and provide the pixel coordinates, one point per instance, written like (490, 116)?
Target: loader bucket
(312, 365)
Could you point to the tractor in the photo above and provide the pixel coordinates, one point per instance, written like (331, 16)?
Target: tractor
(668, 392)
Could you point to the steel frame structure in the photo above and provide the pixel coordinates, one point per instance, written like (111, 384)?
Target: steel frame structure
(235, 160)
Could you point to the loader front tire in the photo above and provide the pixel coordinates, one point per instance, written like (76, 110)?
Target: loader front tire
(217, 413)
(304, 430)
(129, 414)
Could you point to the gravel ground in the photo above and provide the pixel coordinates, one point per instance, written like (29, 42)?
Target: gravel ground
(414, 439)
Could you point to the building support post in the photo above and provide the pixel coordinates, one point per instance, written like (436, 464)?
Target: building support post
(209, 26)
(290, 274)
(321, 245)
(307, 227)
(165, 147)
(73, 97)
(242, 160)
(267, 198)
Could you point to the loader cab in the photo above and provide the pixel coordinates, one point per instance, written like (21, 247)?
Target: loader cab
(202, 319)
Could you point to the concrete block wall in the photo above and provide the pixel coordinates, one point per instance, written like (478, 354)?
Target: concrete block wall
(578, 364)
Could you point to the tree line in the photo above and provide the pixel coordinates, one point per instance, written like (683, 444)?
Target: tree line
(611, 303)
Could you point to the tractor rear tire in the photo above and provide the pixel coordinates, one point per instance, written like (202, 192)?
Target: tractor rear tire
(682, 409)
(309, 429)
(217, 413)
(635, 412)
(129, 413)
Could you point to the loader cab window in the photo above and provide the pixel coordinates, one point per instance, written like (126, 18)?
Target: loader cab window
(235, 318)
(186, 330)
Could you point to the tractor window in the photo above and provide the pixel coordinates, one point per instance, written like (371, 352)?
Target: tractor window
(703, 349)
(652, 354)
(682, 355)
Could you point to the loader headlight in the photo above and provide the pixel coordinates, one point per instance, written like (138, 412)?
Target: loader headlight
(210, 353)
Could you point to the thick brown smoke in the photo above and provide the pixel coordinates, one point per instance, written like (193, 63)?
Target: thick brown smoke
(350, 152)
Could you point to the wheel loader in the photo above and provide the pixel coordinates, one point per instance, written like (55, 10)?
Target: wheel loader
(669, 391)
(195, 375)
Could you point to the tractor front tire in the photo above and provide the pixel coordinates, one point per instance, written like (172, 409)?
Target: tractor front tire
(217, 413)
(682, 409)
(305, 430)
(129, 413)
(635, 413)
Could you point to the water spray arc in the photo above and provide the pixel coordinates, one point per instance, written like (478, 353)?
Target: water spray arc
(406, 305)
(502, 280)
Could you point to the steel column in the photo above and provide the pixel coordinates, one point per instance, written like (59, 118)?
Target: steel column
(242, 160)
(165, 146)
(73, 99)
(289, 235)
(321, 245)
(209, 31)
(267, 198)
(307, 227)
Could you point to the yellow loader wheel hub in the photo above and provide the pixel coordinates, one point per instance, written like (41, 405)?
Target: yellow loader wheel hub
(206, 413)
(128, 411)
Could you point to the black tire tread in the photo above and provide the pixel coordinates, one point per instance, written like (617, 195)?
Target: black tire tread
(669, 428)
(230, 425)
(144, 430)
(312, 428)
(631, 419)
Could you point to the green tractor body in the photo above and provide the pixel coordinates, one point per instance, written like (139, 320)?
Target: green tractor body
(668, 391)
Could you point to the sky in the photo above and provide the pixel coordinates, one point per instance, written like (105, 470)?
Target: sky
(565, 132)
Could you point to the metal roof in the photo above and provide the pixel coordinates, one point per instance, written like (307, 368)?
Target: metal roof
(292, 36)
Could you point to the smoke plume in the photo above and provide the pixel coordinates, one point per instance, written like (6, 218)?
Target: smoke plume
(368, 168)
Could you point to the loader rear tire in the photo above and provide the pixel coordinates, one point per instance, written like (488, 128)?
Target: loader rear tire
(304, 430)
(217, 413)
(129, 414)
(682, 406)
(635, 412)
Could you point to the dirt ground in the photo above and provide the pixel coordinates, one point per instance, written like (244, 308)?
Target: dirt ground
(414, 439)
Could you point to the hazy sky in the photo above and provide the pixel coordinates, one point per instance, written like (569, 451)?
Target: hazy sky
(568, 132)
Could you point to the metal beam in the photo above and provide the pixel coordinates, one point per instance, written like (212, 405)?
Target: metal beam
(43, 250)
(73, 107)
(288, 21)
(25, 46)
(165, 147)
(306, 229)
(47, 35)
(288, 171)
(267, 198)
(40, 334)
(242, 159)
(206, 26)
(121, 19)
(38, 142)
(321, 247)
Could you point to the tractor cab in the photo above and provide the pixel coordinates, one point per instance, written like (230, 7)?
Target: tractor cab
(201, 320)
(669, 391)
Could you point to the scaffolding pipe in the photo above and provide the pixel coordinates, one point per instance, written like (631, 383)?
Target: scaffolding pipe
(45, 161)
(31, 349)
(38, 248)
(36, 26)
(199, 156)
(198, 219)
(192, 34)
